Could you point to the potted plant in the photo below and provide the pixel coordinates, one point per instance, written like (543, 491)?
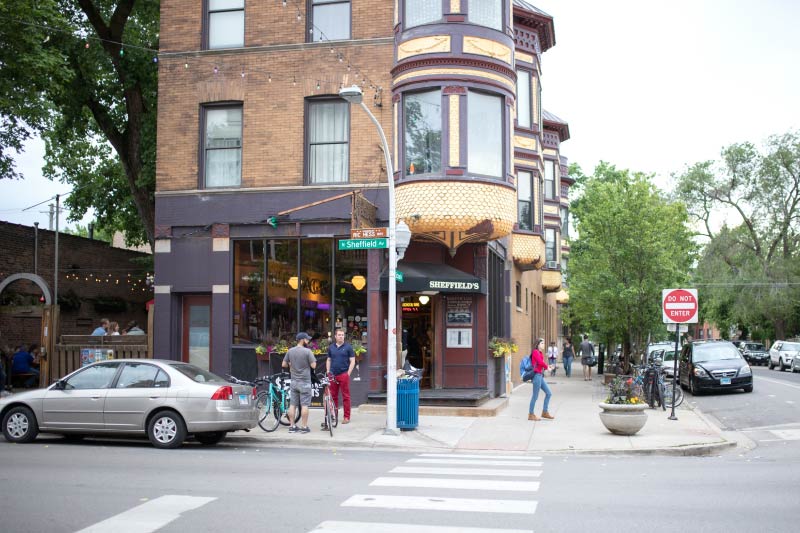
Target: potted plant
(502, 350)
(623, 411)
(270, 346)
(359, 349)
(500, 347)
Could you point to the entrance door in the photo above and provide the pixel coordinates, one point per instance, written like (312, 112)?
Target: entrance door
(418, 334)
(196, 346)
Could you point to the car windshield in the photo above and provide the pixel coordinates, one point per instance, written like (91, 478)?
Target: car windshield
(754, 347)
(196, 373)
(790, 347)
(715, 352)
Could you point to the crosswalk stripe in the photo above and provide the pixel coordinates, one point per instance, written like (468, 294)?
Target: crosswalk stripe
(150, 516)
(473, 462)
(464, 471)
(485, 456)
(452, 483)
(371, 527)
(424, 503)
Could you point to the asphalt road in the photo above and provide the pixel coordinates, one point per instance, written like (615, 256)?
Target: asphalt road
(125, 487)
(769, 416)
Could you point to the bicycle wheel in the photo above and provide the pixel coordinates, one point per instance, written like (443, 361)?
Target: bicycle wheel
(668, 395)
(329, 417)
(660, 397)
(334, 411)
(267, 419)
(283, 409)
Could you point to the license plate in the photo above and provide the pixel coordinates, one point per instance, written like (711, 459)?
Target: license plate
(724, 381)
(243, 398)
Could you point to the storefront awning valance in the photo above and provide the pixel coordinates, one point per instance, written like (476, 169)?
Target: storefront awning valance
(418, 277)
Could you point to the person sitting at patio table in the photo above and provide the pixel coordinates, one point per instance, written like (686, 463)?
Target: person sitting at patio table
(21, 364)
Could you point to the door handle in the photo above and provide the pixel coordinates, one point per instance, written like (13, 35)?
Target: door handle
(95, 397)
(155, 397)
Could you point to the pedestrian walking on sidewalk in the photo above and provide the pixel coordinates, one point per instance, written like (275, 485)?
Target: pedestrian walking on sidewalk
(341, 361)
(567, 356)
(300, 360)
(552, 357)
(587, 355)
(539, 368)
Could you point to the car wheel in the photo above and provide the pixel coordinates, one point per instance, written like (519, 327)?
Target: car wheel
(749, 388)
(19, 425)
(769, 363)
(781, 366)
(211, 438)
(166, 430)
(693, 388)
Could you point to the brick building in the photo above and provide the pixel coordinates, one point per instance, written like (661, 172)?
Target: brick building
(262, 169)
(95, 281)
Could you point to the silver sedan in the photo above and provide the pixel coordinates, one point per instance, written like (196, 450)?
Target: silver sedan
(166, 400)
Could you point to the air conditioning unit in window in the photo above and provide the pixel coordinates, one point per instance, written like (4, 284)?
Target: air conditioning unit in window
(552, 265)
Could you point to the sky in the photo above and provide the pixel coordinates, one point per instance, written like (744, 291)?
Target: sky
(650, 85)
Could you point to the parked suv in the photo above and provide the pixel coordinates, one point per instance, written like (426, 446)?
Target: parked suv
(713, 365)
(755, 353)
(783, 355)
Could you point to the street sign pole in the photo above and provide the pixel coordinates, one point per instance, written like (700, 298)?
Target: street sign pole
(679, 307)
(675, 371)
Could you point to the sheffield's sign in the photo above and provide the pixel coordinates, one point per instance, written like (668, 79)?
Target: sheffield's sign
(467, 286)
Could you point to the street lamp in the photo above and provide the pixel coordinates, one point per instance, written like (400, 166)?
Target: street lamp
(354, 95)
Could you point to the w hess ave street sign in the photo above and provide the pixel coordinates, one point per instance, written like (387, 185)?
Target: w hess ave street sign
(679, 306)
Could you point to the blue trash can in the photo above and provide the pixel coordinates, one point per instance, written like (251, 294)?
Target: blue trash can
(407, 403)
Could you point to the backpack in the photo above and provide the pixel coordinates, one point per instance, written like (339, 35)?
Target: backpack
(526, 369)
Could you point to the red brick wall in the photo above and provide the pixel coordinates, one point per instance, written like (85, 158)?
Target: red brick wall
(106, 268)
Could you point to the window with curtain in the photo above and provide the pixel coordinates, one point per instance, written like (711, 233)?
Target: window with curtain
(525, 200)
(330, 20)
(550, 244)
(549, 179)
(524, 96)
(222, 145)
(487, 13)
(422, 113)
(419, 12)
(225, 24)
(485, 134)
(328, 141)
(565, 221)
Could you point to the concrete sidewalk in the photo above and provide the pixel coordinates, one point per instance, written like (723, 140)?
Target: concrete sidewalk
(576, 429)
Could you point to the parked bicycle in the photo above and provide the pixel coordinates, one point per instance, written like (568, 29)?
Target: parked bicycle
(331, 414)
(273, 402)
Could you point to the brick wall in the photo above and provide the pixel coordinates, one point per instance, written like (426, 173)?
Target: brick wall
(273, 112)
(90, 270)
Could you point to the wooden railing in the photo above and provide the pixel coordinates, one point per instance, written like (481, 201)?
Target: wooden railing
(66, 355)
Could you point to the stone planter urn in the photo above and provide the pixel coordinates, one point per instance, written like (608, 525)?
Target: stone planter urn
(623, 419)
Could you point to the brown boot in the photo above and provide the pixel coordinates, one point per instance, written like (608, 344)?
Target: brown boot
(547, 415)
(533, 417)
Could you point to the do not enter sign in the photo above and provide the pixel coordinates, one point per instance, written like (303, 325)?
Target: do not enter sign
(679, 306)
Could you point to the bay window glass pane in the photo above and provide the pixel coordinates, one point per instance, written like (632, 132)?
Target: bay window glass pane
(223, 147)
(550, 244)
(315, 286)
(423, 132)
(331, 20)
(487, 13)
(549, 180)
(485, 135)
(524, 98)
(565, 221)
(248, 291)
(525, 200)
(328, 134)
(225, 23)
(422, 12)
(281, 286)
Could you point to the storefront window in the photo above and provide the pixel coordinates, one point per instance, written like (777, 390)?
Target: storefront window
(282, 285)
(315, 286)
(248, 296)
(351, 293)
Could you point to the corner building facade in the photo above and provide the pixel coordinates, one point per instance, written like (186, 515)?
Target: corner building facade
(262, 170)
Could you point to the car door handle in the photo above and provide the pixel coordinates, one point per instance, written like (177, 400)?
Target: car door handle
(96, 397)
(156, 397)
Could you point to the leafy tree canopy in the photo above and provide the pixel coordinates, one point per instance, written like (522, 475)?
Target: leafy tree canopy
(80, 73)
(749, 270)
(632, 243)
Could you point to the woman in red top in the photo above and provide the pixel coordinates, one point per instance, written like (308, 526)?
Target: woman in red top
(539, 368)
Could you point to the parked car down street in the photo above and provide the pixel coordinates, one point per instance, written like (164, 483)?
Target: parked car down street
(165, 400)
(754, 353)
(783, 355)
(713, 365)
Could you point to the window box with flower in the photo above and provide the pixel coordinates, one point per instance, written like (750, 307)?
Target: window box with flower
(623, 411)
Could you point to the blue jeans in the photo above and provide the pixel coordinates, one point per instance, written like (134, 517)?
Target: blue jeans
(568, 365)
(540, 383)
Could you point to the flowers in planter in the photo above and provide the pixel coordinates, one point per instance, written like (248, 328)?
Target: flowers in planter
(624, 390)
(272, 346)
(500, 347)
(319, 346)
(358, 348)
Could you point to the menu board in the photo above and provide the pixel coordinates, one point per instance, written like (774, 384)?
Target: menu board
(459, 311)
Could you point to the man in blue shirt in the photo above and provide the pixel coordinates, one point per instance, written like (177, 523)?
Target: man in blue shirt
(21, 364)
(102, 329)
(341, 361)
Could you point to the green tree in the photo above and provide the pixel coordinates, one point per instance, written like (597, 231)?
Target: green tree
(632, 243)
(749, 265)
(99, 233)
(80, 73)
